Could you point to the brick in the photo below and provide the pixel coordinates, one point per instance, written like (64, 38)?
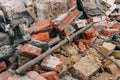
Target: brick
(68, 30)
(41, 36)
(84, 72)
(6, 74)
(109, 32)
(94, 52)
(38, 69)
(68, 20)
(82, 46)
(87, 42)
(35, 76)
(3, 66)
(107, 48)
(52, 63)
(112, 68)
(90, 34)
(96, 19)
(30, 51)
(42, 26)
(51, 75)
(116, 26)
(80, 23)
(116, 54)
(70, 50)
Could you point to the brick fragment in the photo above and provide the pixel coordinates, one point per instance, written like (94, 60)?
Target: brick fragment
(51, 75)
(90, 34)
(42, 26)
(52, 63)
(6, 74)
(41, 36)
(35, 76)
(30, 51)
(109, 32)
(107, 48)
(3, 66)
(84, 72)
(68, 20)
(70, 50)
(112, 68)
(116, 54)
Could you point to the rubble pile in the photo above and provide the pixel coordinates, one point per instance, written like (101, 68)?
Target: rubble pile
(59, 40)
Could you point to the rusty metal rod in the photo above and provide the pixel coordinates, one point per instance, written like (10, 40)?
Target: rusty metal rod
(37, 59)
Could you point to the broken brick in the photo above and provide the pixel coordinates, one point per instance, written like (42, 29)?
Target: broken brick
(90, 34)
(51, 75)
(35, 76)
(6, 74)
(70, 50)
(18, 77)
(3, 66)
(52, 63)
(112, 68)
(107, 48)
(109, 32)
(30, 51)
(68, 20)
(84, 72)
(42, 26)
(116, 54)
(41, 36)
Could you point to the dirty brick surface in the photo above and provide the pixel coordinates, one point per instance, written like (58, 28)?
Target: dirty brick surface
(59, 39)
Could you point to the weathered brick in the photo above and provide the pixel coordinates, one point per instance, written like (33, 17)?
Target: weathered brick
(70, 50)
(42, 26)
(41, 36)
(116, 54)
(35, 76)
(107, 48)
(6, 74)
(52, 63)
(30, 51)
(68, 20)
(38, 69)
(3, 66)
(112, 68)
(90, 34)
(72, 2)
(86, 67)
(51, 75)
(109, 32)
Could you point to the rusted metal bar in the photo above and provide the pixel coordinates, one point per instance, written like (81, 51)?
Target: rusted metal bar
(37, 59)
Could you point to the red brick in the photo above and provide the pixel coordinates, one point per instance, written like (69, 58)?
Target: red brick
(81, 46)
(6, 74)
(51, 75)
(52, 63)
(41, 36)
(68, 20)
(109, 32)
(90, 34)
(30, 51)
(116, 26)
(35, 76)
(38, 69)
(42, 26)
(3, 66)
